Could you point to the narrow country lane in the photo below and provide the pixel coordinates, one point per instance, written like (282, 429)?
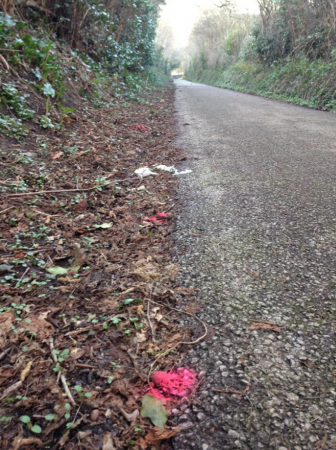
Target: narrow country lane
(257, 237)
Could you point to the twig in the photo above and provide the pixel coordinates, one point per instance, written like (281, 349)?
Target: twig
(24, 273)
(4, 63)
(229, 391)
(63, 379)
(191, 315)
(87, 366)
(4, 353)
(11, 389)
(233, 391)
(5, 210)
(42, 249)
(58, 191)
(149, 320)
(36, 211)
(261, 321)
(179, 343)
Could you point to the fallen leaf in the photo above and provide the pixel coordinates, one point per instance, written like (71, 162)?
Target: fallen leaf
(62, 270)
(140, 337)
(264, 326)
(56, 155)
(64, 439)
(57, 270)
(84, 434)
(155, 435)
(38, 327)
(6, 322)
(130, 417)
(5, 268)
(107, 442)
(25, 371)
(79, 255)
(154, 409)
(77, 353)
(147, 273)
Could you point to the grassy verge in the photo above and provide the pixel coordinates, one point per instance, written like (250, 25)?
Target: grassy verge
(298, 81)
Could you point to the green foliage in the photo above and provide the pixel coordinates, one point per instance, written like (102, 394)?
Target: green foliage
(79, 44)
(31, 427)
(294, 28)
(290, 53)
(12, 127)
(13, 100)
(295, 80)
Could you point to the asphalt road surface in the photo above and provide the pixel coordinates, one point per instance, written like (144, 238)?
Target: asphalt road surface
(257, 236)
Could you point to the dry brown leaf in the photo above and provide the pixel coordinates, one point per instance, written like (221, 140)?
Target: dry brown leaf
(140, 337)
(64, 439)
(56, 155)
(19, 442)
(107, 442)
(39, 327)
(25, 371)
(77, 353)
(84, 434)
(6, 322)
(155, 435)
(147, 273)
(264, 326)
(11, 389)
(78, 254)
(130, 417)
(171, 271)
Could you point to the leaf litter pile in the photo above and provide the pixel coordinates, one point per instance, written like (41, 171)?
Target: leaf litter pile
(90, 314)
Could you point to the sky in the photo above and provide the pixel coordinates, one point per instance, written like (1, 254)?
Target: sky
(181, 15)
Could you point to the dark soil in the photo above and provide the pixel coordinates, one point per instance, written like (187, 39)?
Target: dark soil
(71, 201)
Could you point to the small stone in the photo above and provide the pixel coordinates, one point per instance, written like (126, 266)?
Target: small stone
(186, 425)
(233, 434)
(94, 415)
(205, 446)
(293, 398)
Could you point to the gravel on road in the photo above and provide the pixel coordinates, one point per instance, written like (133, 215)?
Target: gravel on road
(257, 237)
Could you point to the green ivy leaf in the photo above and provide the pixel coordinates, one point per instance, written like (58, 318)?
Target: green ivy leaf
(47, 89)
(5, 267)
(49, 417)
(36, 429)
(63, 355)
(154, 409)
(25, 419)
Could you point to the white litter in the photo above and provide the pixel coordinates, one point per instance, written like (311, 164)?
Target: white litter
(173, 169)
(143, 172)
(166, 168)
(183, 172)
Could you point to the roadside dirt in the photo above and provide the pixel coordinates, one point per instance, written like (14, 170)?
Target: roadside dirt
(89, 303)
